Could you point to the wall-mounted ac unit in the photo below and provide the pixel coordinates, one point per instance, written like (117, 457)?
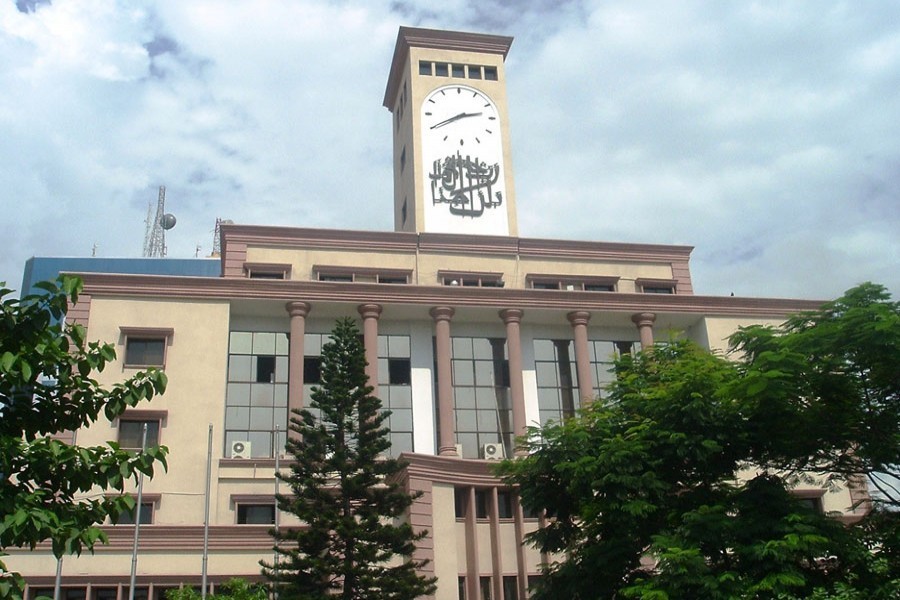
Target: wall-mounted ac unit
(240, 449)
(459, 450)
(492, 451)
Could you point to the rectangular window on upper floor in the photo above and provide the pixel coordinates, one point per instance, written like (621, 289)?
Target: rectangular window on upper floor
(256, 514)
(131, 428)
(572, 283)
(656, 286)
(424, 67)
(458, 70)
(474, 72)
(253, 509)
(441, 69)
(312, 369)
(490, 73)
(335, 277)
(811, 499)
(510, 587)
(146, 512)
(146, 346)
(127, 518)
(267, 270)
(342, 274)
(471, 279)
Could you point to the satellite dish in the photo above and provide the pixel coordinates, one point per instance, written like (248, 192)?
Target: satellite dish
(167, 221)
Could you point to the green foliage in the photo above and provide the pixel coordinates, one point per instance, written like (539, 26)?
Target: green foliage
(645, 499)
(834, 375)
(233, 589)
(346, 492)
(46, 386)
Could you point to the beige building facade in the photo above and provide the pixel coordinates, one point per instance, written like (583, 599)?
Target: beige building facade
(470, 337)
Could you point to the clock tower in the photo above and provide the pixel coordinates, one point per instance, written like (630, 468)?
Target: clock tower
(452, 165)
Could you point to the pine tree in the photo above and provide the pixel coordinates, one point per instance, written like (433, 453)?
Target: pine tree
(355, 543)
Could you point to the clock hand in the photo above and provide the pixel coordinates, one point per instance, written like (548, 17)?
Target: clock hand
(461, 115)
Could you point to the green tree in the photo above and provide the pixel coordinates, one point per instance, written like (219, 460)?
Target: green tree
(832, 375)
(355, 543)
(46, 387)
(653, 472)
(233, 589)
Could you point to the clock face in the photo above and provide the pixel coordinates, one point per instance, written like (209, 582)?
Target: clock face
(462, 155)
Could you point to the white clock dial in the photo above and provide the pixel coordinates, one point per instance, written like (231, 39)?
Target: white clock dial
(460, 118)
(462, 155)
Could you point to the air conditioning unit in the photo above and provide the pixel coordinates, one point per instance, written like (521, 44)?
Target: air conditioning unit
(240, 449)
(459, 450)
(492, 451)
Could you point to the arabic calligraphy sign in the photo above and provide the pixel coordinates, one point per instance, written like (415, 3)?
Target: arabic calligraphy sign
(466, 184)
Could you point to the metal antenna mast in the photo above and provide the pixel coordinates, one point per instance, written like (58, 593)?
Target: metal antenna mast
(155, 235)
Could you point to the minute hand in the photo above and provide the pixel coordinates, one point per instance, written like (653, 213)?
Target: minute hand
(461, 115)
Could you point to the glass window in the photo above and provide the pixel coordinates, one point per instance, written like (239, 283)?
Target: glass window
(474, 72)
(599, 287)
(556, 381)
(459, 70)
(256, 395)
(505, 504)
(460, 501)
(131, 433)
(424, 67)
(481, 504)
(658, 289)
(265, 369)
(441, 69)
(256, 514)
(481, 373)
(395, 375)
(484, 582)
(145, 352)
(510, 587)
(312, 369)
(490, 73)
(127, 518)
(104, 593)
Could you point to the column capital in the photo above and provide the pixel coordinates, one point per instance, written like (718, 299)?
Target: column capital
(369, 311)
(511, 315)
(297, 308)
(579, 317)
(442, 313)
(643, 319)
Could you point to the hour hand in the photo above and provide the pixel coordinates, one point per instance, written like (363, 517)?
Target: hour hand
(461, 115)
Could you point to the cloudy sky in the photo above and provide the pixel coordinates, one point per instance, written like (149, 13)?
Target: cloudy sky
(765, 134)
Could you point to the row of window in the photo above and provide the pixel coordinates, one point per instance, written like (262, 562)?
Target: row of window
(485, 588)
(263, 513)
(467, 279)
(256, 399)
(457, 70)
(509, 584)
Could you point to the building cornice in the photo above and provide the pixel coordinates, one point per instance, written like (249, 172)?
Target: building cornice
(225, 289)
(452, 470)
(451, 243)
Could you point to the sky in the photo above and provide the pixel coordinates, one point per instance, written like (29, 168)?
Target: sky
(764, 134)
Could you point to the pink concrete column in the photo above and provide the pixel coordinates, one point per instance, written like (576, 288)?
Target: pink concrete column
(297, 312)
(370, 314)
(579, 320)
(644, 322)
(512, 317)
(447, 434)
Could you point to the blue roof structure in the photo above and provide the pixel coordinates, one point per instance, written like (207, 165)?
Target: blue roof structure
(42, 268)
